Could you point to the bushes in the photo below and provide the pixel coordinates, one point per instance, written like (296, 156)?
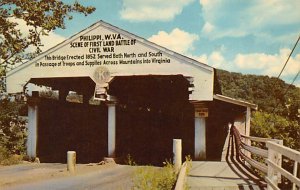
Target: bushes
(270, 125)
(12, 133)
(6, 158)
(152, 178)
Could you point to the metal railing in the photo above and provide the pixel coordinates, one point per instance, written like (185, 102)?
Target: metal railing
(271, 162)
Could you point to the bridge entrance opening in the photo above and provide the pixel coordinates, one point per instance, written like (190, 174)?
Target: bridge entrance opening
(151, 111)
(221, 115)
(64, 121)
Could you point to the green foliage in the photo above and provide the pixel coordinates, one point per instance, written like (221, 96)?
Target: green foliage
(7, 159)
(268, 93)
(273, 126)
(279, 105)
(4, 154)
(12, 131)
(264, 91)
(153, 178)
(129, 161)
(188, 160)
(41, 17)
(270, 125)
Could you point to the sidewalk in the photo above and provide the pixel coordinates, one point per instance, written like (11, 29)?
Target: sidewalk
(229, 173)
(217, 176)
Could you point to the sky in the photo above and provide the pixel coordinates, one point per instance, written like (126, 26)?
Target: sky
(245, 36)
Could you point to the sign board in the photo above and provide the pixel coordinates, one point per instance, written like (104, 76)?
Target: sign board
(101, 77)
(103, 51)
(201, 112)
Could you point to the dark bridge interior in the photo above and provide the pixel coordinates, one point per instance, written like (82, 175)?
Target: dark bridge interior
(220, 114)
(151, 111)
(65, 126)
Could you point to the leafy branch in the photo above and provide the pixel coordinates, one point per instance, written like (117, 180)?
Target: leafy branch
(41, 17)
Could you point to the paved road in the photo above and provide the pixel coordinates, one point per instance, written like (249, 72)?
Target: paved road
(118, 178)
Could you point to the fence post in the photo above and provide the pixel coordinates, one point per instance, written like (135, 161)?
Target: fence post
(279, 162)
(295, 171)
(247, 131)
(177, 154)
(274, 157)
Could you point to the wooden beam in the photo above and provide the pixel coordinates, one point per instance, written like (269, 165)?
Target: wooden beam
(261, 167)
(255, 150)
(258, 139)
(286, 151)
(270, 183)
(284, 172)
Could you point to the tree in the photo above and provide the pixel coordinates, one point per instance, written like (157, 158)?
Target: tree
(41, 17)
(270, 125)
(266, 92)
(12, 132)
(278, 102)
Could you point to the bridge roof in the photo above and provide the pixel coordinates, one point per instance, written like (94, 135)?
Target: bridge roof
(235, 101)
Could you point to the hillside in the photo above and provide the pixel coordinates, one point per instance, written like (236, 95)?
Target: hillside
(266, 92)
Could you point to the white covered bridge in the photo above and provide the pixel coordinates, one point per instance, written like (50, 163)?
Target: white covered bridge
(148, 96)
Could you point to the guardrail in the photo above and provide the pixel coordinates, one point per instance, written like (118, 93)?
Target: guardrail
(271, 165)
(275, 167)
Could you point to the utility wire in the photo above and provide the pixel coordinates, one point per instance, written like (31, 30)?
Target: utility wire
(287, 89)
(295, 78)
(288, 58)
(283, 70)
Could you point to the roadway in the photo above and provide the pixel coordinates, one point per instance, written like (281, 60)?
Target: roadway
(55, 176)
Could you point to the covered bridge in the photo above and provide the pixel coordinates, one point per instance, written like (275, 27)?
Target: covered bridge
(148, 96)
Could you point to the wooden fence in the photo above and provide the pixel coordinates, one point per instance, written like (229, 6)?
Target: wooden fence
(271, 164)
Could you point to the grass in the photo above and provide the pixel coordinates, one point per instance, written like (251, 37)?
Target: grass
(129, 161)
(156, 178)
(188, 161)
(153, 178)
(7, 159)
